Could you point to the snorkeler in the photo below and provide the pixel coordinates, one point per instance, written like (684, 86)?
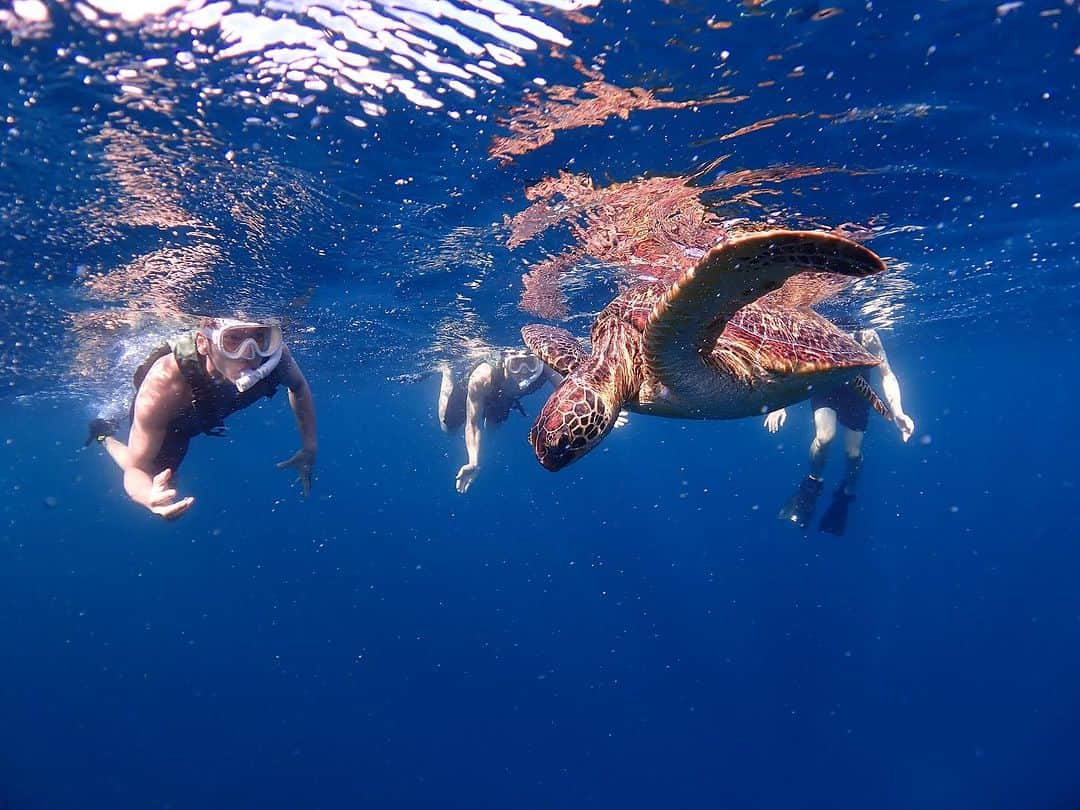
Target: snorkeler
(188, 386)
(851, 409)
(485, 398)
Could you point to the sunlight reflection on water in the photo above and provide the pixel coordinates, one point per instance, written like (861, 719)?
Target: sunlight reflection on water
(291, 51)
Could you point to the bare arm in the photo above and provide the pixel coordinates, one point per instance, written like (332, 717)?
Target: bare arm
(480, 382)
(302, 403)
(161, 397)
(890, 385)
(303, 408)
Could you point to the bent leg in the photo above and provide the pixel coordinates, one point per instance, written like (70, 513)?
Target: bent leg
(799, 508)
(853, 440)
(824, 433)
(446, 388)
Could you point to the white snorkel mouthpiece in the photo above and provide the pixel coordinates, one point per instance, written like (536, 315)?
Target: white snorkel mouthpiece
(524, 369)
(533, 377)
(250, 378)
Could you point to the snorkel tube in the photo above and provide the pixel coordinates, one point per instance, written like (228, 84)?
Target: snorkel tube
(524, 384)
(517, 362)
(250, 378)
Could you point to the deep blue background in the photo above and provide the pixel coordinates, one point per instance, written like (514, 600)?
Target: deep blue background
(638, 630)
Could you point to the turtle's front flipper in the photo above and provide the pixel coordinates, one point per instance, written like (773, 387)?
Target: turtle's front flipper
(556, 347)
(863, 388)
(687, 320)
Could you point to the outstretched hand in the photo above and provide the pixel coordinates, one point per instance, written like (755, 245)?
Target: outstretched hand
(303, 461)
(622, 420)
(775, 420)
(906, 426)
(466, 475)
(162, 499)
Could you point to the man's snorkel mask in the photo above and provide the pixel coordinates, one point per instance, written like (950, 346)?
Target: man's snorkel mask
(246, 340)
(526, 368)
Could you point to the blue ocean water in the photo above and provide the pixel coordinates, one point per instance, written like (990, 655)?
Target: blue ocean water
(639, 629)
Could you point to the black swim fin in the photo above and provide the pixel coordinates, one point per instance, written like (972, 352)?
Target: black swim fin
(834, 521)
(800, 507)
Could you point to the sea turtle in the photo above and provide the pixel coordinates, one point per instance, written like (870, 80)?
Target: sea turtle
(713, 344)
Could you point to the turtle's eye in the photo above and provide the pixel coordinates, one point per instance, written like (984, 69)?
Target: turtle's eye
(555, 457)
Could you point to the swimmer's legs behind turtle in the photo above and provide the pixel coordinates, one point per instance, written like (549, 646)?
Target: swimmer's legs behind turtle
(800, 506)
(834, 521)
(453, 393)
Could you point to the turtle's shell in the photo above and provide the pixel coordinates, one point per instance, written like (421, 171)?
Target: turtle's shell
(728, 339)
(736, 333)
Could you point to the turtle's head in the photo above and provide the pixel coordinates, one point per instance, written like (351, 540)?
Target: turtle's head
(571, 423)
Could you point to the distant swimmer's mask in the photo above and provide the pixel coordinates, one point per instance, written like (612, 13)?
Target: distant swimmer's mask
(247, 340)
(524, 368)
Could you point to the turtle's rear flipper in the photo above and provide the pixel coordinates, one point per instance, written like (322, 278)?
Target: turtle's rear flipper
(863, 387)
(807, 289)
(834, 521)
(688, 319)
(556, 347)
(800, 506)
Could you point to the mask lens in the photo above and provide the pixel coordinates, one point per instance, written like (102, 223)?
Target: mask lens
(522, 365)
(249, 340)
(233, 339)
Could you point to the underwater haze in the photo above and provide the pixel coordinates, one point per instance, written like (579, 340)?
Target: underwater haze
(408, 183)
